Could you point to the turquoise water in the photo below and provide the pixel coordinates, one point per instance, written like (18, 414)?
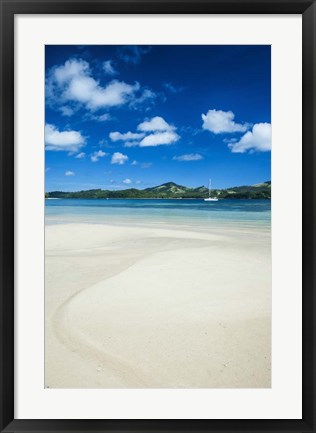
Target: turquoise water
(240, 213)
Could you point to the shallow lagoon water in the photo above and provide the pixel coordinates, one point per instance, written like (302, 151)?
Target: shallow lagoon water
(236, 213)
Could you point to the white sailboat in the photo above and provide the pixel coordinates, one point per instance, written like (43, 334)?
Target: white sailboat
(209, 193)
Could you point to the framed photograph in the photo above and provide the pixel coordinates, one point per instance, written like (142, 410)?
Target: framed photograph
(157, 216)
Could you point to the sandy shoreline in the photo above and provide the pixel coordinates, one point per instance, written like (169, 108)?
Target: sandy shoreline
(134, 307)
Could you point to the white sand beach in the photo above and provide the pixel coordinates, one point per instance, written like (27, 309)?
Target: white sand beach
(157, 307)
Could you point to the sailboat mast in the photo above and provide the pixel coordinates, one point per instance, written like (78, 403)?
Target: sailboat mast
(210, 198)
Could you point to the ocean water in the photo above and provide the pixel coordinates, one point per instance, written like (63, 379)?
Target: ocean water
(230, 213)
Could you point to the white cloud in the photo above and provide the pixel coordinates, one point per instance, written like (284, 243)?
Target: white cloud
(73, 82)
(146, 165)
(66, 111)
(97, 155)
(259, 139)
(103, 117)
(188, 157)
(127, 181)
(143, 164)
(80, 155)
(138, 182)
(147, 96)
(97, 117)
(71, 68)
(132, 53)
(218, 122)
(118, 136)
(70, 141)
(119, 158)
(158, 131)
(131, 143)
(172, 88)
(104, 143)
(69, 173)
(159, 138)
(230, 140)
(87, 91)
(155, 124)
(108, 68)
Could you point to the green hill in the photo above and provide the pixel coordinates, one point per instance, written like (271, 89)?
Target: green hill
(172, 190)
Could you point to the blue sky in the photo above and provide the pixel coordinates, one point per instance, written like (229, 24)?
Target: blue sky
(138, 116)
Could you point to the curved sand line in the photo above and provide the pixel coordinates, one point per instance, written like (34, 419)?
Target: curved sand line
(194, 312)
(77, 341)
(84, 321)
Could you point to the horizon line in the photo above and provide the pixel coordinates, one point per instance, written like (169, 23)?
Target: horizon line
(155, 186)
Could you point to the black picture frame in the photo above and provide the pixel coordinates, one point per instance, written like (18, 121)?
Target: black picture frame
(8, 10)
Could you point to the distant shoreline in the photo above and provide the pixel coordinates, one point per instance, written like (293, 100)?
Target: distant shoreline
(171, 190)
(147, 198)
